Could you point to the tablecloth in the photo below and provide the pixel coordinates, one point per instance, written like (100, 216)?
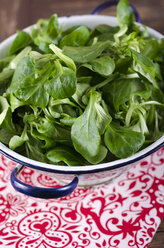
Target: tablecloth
(124, 213)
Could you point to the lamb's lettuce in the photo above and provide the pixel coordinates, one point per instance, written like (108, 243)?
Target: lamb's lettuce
(78, 96)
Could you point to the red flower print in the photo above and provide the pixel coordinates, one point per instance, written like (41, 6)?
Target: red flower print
(11, 205)
(128, 227)
(160, 194)
(42, 229)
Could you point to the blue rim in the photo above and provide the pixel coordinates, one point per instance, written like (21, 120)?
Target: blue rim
(119, 165)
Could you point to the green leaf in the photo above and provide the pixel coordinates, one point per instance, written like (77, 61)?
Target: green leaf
(157, 94)
(33, 91)
(124, 13)
(5, 136)
(85, 134)
(63, 108)
(68, 120)
(52, 29)
(68, 61)
(40, 61)
(105, 37)
(124, 17)
(145, 67)
(24, 71)
(15, 102)
(39, 96)
(4, 106)
(122, 141)
(153, 48)
(14, 62)
(65, 154)
(15, 142)
(5, 78)
(56, 132)
(88, 53)
(81, 88)
(47, 128)
(63, 86)
(103, 32)
(103, 29)
(100, 156)
(122, 64)
(21, 41)
(103, 118)
(31, 88)
(4, 62)
(6, 115)
(34, 150)
(78, 37)
(103, 65)
(118, 92)
(6, 74)
(47, 32)
(42, 44)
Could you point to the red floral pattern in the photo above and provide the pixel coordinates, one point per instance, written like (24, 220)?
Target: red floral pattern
(124, 213)
(11, 205)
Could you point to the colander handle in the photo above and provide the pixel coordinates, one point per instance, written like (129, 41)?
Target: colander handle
(45, 193)
(111, 3)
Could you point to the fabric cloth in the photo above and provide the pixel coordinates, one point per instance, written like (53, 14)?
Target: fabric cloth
(123, 213)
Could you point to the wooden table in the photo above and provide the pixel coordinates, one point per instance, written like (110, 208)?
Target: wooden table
(17, 14)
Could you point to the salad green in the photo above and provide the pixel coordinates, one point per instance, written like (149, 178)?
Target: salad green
(79, 96)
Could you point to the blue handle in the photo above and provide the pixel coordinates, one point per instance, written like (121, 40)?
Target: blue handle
(113, 3)
(45, 193)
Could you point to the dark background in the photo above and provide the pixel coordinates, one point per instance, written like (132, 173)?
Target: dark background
(18, 14)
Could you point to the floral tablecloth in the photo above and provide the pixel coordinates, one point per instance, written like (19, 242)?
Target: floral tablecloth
(124, 213)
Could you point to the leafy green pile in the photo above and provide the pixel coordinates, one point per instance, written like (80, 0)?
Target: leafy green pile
(80, 96)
